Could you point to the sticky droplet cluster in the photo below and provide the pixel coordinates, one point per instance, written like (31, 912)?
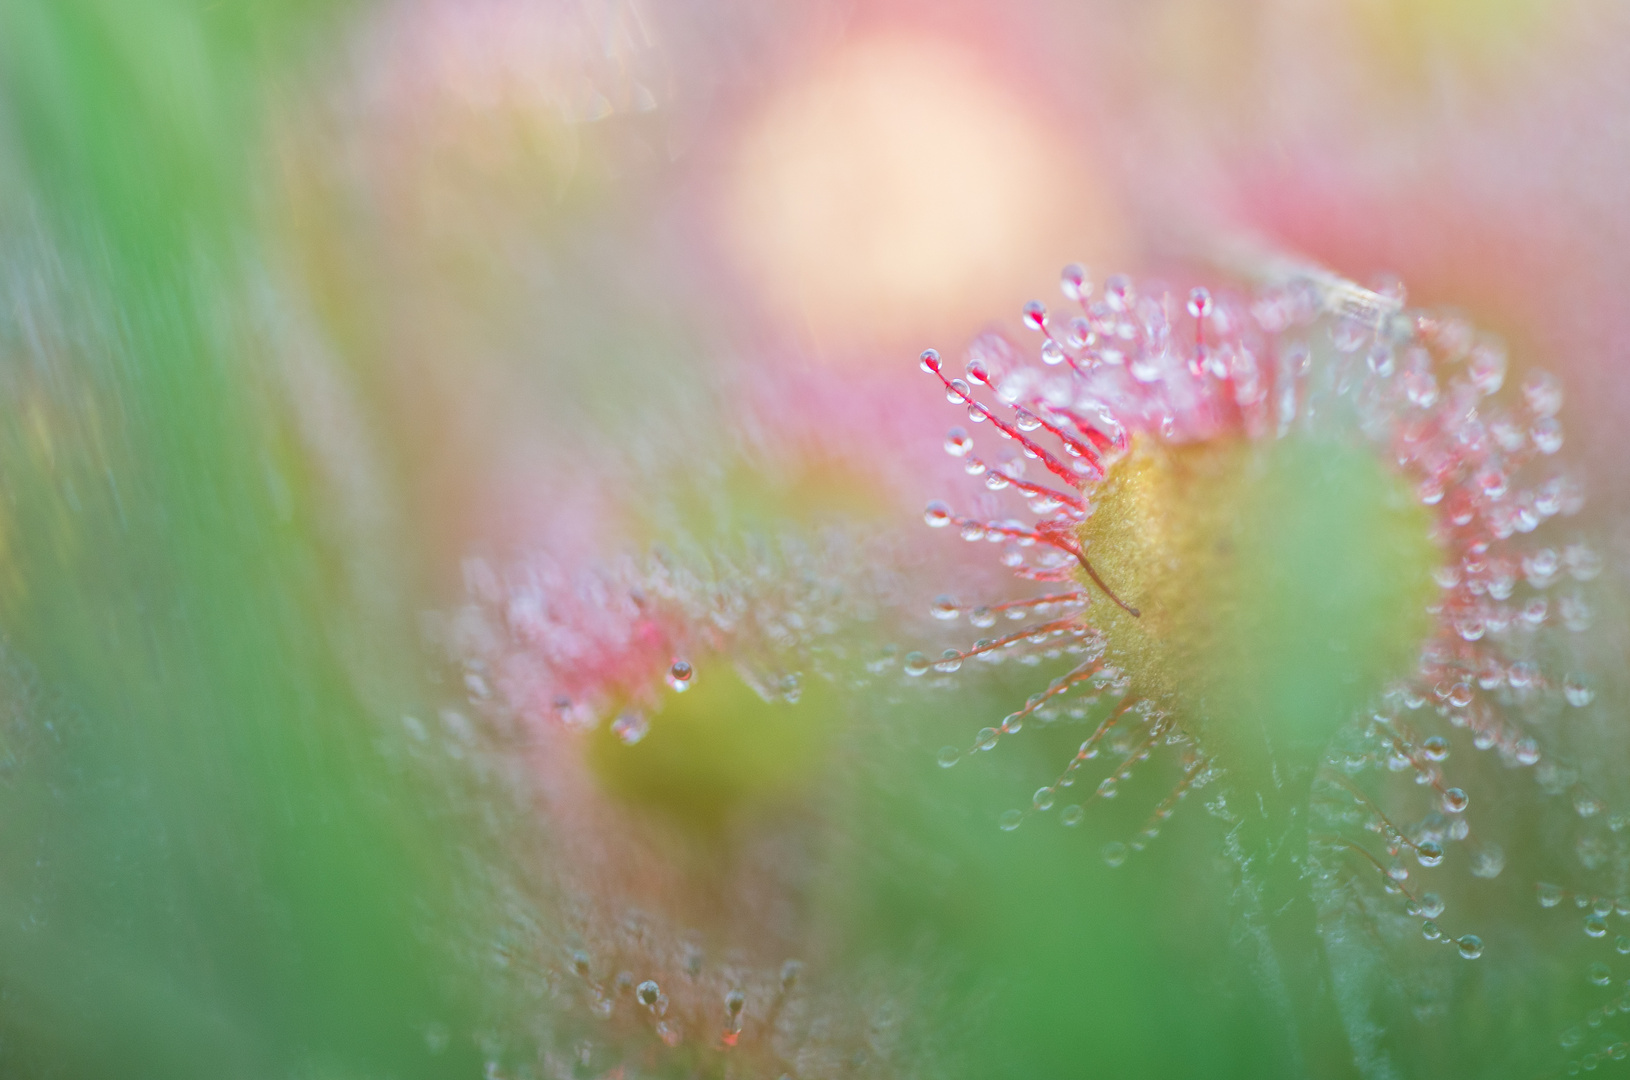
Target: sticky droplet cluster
(1129, 370)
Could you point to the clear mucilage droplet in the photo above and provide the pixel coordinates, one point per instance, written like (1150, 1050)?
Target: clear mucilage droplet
(680, 676)
(630, 727)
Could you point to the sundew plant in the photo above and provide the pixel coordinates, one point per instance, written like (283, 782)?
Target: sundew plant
(1305, 543)
(468, 608)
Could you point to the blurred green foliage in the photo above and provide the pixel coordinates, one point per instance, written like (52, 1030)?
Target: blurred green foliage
(209, 866)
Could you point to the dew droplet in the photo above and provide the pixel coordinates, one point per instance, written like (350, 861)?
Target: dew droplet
(958, 443)
(1118, 292)
(930, 360)
(1549, 895)
(1348, 333)
(1489, 861)
(1429, 853)
(1043, 799)
(1199, 304)
(1577, 691)
(1455, 801)
(1470, 946)
(1547, 435)
(916, 664)
(950, 661)
(1073, 282)
(680, 675)
(945, 607)
(1595, 926)
(949, 756)
(648, 992)
(986, 739)
(1599, 974)
(1487, 366)
(1421, 388)
(1072, 815)
(1431, 905)
(982, 617)
(630, 728)
(1543, 392)
(1436, 748)
(1379, 359)
(938, 515)
(1114, 853)
(1010, 820)
(1035, 315)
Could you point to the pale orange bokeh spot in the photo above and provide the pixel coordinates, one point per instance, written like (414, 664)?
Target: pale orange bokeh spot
(899, 188)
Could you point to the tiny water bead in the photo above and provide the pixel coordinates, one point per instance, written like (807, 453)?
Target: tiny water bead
(1074, 283)
(1199, 305)
(1488, 861)
(680, 676)
(1470, 946)
(1577, 691)
(630, 728)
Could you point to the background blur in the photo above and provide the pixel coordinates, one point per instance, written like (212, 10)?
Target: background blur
(310, 311)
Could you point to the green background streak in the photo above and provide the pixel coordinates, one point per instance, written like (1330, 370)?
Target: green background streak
(207, 865)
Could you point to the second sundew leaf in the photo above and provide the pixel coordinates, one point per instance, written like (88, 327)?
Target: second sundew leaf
(719, 749)
(1282, 584)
